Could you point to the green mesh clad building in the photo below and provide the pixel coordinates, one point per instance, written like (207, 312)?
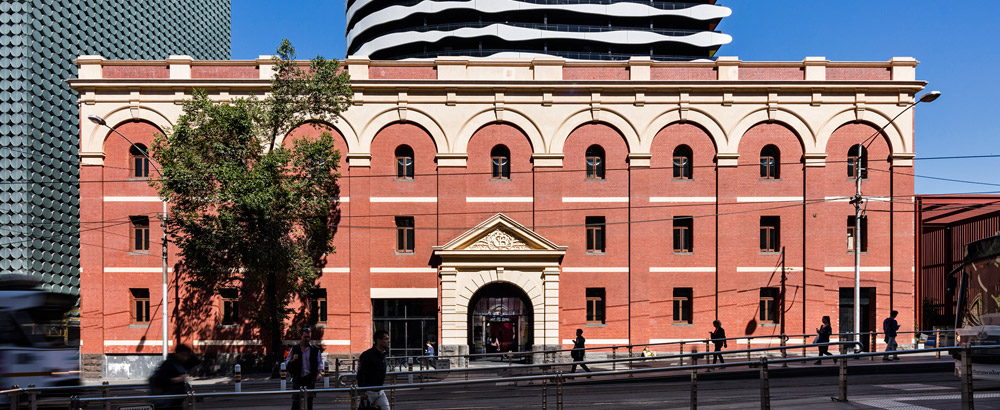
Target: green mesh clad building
(39, 122)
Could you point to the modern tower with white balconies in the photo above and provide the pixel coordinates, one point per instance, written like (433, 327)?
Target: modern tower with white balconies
(572, 29)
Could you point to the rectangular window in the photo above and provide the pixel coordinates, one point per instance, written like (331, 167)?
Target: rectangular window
(404, 167)
(683, 234)
(404, 234)
(770, 234)
(595, 234)
(230, 306)
(595, 306)
(140, 233)
(140, 166)
(862, 239)
(317, 307)
(595, 167)
(501, 167)
(140, 305)
(682, 167)
(769, 305)
(682, 305)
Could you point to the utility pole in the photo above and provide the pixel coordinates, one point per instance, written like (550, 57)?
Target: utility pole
(857, 201)
(783, 277)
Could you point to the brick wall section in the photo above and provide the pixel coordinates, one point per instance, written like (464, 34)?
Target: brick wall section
(224, 72)
(595, 73)
(135, 71)
(661, 73)
(856, 73)
(771, 73)
(402, 73)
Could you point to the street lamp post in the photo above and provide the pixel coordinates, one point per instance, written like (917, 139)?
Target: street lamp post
(857, 200)
(100, 121)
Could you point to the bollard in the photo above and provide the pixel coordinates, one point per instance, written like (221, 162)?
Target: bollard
(189, 404)
(559, 394)
(967, 392)
(748, 349)
(682, 353)
(937, 342)
(15, 398)
(409, 368)
(694, 359)
(336, 373)
(545, 394)
(303, 398)
(284, 376)
(354, 398)
(392, 393)
(765, 386)
(32, 398)
(630, 362)
(614, 355)
(238, 378)
(694, 390)
(326, 374)
(104, 393)
(74, 402)
(873, 346)
(842, 382)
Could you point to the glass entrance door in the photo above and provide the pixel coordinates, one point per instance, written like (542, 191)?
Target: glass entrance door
(500, 320)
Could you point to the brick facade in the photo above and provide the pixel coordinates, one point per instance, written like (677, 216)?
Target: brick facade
(547, 128)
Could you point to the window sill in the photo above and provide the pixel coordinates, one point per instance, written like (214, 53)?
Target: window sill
(499, 179)
(146, 179)
(594, 253)
(404, 179)
(769, 253)
(137, 253)
(770, 179)
(683, 252)
(682, 179)
(595, 325)
(397, 253)
(139, 326)
(852, 179)
(682, 324)
(852, 252)
(595, 179)
(770, 324)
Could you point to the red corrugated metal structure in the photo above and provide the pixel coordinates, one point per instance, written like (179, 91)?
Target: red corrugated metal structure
(947, 223)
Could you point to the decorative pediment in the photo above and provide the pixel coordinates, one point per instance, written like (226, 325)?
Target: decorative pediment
(500, 233)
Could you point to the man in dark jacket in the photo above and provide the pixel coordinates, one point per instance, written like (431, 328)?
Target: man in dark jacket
(371, 370)
(579, 351)
(719, 340)
(303, 363)
(169, 378)
(890, 326)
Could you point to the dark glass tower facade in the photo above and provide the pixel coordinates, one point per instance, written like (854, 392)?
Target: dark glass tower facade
(39, 117)
(573, 29)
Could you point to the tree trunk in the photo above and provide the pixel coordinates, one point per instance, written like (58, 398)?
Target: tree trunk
(273, 323)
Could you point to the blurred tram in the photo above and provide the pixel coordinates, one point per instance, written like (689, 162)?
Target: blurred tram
(36, 344)
(977, 320)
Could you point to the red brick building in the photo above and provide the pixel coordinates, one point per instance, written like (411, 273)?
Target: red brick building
(523, 199)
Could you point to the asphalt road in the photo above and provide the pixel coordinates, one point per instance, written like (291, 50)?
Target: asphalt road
(927, 390)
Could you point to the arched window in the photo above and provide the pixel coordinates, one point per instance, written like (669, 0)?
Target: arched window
(682, 162)
(139, 162)
(500, 159)
(404, 162)
(852, 161)
(770, 162)
(595, 162)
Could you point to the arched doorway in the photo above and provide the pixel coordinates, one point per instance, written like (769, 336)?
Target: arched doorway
(500, 319)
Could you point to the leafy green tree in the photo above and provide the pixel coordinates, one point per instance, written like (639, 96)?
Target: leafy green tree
(245, 212)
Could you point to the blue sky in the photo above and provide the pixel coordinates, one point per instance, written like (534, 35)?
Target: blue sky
(958, 55)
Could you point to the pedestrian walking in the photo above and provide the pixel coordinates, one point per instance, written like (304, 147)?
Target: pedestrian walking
(890, 326)
(823, 336)
(371, 370)
(170, 377)
(719, 340)
(303, 362)
(579, 351)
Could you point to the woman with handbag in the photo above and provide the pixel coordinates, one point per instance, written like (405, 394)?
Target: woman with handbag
(823, 336)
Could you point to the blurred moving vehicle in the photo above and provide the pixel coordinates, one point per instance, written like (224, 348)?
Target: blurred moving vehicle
(977, 320)
(35, 346)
